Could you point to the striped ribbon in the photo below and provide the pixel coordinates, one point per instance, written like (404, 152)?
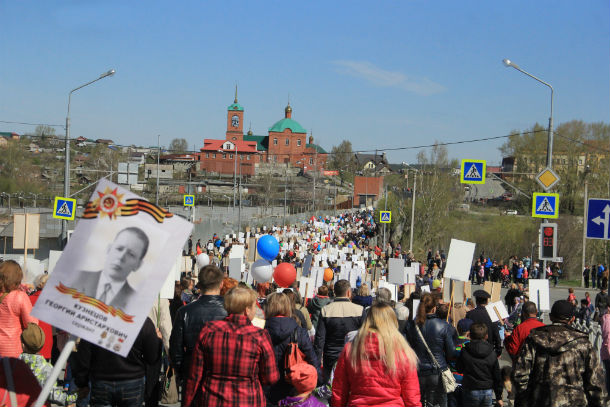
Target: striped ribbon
(107, 309)
(130, 208)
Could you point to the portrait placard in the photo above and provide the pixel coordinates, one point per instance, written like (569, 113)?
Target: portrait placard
(110, 272)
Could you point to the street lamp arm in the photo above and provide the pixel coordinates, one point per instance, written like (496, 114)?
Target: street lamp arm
(102, 76)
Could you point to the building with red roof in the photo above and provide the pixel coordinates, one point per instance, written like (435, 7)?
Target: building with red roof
(285, 143)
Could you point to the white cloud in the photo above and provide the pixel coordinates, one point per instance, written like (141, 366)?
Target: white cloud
(381, 77)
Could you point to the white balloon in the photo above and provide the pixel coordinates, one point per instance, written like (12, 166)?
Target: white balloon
(202, 260)
(262, 271)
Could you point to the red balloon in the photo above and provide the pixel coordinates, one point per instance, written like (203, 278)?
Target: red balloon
(285, 274)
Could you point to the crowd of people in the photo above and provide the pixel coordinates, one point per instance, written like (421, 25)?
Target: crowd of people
(224, 342)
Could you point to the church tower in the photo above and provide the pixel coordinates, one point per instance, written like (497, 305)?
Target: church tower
(235, 120)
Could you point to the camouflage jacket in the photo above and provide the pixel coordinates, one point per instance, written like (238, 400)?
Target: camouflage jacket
(42, 370)
(558, 367)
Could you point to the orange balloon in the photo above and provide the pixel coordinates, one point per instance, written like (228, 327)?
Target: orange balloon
(328, 275)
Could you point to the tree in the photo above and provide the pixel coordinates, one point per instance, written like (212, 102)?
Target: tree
(342, 160)
(43, 131)
(178, 145)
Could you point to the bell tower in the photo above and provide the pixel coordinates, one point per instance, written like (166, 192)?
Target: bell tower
(235, 120)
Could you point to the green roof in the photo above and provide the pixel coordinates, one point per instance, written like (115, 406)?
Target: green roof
(261, 141)
(287, 124)
(236, 106)
(316, 147)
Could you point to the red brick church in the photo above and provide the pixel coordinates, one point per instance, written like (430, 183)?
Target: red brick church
(286, 143)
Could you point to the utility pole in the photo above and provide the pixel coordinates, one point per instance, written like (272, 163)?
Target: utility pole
(584, 234)
(239, 216)
(413, 213)
(386, 208)
(285, 191)
(315, 168)
(158, 157)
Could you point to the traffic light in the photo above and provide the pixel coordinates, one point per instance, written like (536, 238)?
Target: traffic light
(548, 241)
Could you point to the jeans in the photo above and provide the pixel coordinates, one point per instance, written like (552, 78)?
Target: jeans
(478, 398)
(432, 391)
(122, 393)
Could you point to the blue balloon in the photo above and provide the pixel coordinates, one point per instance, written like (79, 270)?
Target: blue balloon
(268, 247)
(218, 243)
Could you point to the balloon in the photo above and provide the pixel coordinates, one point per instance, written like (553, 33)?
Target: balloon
(202, 260)
(328, 275)
(315, 245)
(268, 247)
(199, 251)
(218, 243)
(285, 274)
(261, 270)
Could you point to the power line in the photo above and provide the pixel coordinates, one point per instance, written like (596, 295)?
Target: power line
(33, 124)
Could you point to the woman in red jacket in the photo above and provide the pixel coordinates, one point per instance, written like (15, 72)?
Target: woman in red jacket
(378, 368)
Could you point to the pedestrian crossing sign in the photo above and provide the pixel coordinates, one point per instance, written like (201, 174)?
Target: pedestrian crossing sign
(189, 200)
(545, 205)
(385, 217)
(473, 172)
(64, 208)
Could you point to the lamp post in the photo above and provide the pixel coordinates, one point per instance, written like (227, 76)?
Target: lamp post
(64, 223)
(549, 147)
(412, 205)
(235, 177)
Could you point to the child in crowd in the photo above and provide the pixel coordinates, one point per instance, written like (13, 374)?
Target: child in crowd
(303, 377)
(463, 329)
(584, 312)
(32, 340)
(479, 364)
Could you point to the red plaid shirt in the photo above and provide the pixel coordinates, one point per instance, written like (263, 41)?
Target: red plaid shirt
(231, 362)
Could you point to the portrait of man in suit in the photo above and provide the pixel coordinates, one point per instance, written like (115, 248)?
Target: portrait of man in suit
(123, 257)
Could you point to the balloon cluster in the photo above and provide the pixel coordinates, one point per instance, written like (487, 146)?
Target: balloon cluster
(268, 248)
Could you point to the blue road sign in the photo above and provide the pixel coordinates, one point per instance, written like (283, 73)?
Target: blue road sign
(64, 208)
(189, 200)
(598, 218)
(545, 205)
(385, 217)
(473, 172)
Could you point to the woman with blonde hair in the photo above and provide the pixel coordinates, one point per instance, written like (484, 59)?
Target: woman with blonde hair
(15, 308)
(378, 368)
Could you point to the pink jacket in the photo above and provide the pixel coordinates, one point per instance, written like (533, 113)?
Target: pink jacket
(371, 384)
(14, 317)
(605, 350)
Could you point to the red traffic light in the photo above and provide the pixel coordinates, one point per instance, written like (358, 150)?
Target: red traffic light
(548, 231)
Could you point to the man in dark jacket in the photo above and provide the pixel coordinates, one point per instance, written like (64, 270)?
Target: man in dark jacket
(479, 314)
(113, 377)
(479, 364)
(558, 366)
(190, 318)
(336, 320)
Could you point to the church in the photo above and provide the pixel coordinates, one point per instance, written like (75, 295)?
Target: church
(285, 144)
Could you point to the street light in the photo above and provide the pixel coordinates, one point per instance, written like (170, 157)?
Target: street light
(64, 223)
(549, 149)
(412, 205)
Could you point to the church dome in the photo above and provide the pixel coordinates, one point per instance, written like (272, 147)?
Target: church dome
(286, 123)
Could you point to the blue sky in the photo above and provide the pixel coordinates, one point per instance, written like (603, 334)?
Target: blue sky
(381, 74)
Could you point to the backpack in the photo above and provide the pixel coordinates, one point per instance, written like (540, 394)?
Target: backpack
(292, 354)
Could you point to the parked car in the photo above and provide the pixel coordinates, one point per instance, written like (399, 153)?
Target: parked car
(510, 212)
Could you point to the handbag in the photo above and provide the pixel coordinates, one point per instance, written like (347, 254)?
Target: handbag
(449, 383)
(168, 389)
(293, 355)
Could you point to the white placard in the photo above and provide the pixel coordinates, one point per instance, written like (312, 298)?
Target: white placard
(237, 251)
(53, 257)
(415, 307)
(167, 290)
(459, 260)
(235, 268)
(539, 294)
(396, 271)
(74, 297)
(425, 288)
(499, 306)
